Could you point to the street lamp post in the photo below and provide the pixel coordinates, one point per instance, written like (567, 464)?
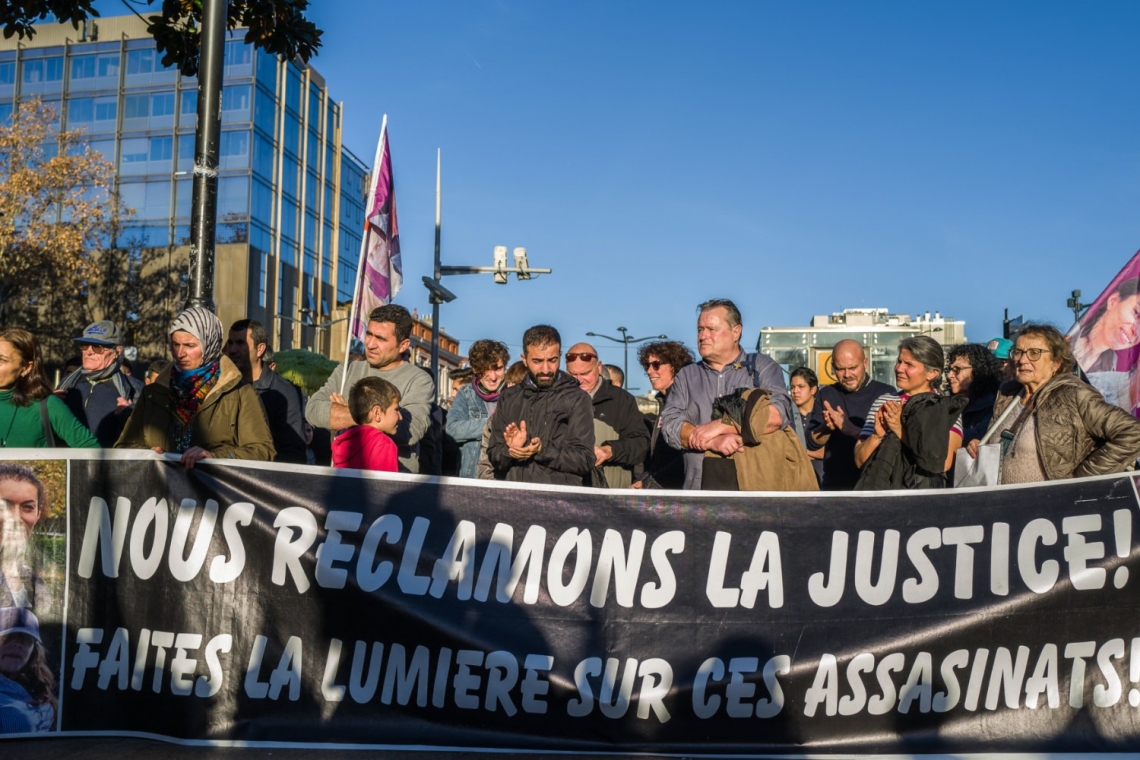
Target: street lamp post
(626, 341)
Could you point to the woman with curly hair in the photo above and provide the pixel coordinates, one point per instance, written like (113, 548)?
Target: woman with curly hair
(30, 415)
(972, 371)
(475, 402)
(27, 686)
(665, 465)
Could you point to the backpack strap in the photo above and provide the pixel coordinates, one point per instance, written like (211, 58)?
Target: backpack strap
(750, 364)
(49, 434)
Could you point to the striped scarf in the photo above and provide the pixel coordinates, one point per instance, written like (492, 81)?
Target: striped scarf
(189, 389)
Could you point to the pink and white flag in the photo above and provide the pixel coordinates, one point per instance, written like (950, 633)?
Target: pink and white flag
(380, 275)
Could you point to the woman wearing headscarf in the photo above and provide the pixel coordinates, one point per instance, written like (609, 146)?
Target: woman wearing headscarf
(199, 407)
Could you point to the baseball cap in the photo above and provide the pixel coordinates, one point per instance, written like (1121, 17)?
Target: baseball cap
(102, 333)
(19, 620)
(1000, 347)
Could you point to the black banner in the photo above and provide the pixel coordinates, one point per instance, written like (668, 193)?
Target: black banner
(254, 603)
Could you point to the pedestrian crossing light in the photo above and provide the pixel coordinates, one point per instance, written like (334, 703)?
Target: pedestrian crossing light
(500, 264)
(521, 265)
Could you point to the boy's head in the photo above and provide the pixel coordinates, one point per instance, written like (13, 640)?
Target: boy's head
(375, 401)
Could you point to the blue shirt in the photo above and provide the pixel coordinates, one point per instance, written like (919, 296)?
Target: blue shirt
(692, 394)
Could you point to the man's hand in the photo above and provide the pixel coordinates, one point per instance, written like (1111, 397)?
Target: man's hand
(972, 448)
(727, 444)
(527, 451)
(515, 435)
(122, 404)
(702, 436)
(602, 453)
(639, 484)
(194, 454)
(833, 418)
(890, 416)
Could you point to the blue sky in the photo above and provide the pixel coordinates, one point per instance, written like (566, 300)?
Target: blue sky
(799, 158)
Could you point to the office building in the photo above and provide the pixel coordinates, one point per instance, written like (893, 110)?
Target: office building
(877, 329)
(290, 195)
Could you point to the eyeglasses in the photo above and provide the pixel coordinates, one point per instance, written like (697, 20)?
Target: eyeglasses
(655, 365)
(581, 357)
(94, 348)
(955, 371)
(1034, 354)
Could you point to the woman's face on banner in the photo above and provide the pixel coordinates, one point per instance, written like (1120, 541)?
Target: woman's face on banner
(23, 499)
(1119, 324)
(15, 651)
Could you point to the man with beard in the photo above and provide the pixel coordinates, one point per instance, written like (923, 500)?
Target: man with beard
(386, 338)
(543, 429)
(839, 413)
(247, 346)
(99, 393)
(621, 439)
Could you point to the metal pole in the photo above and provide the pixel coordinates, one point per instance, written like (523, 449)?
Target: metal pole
(205, 199)
(434, 300)
(625, 360)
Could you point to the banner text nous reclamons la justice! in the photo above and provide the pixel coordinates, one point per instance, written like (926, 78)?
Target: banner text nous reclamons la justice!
(636, 567)
(875, 622)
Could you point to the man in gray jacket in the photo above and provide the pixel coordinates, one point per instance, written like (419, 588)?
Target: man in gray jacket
(687, 420)
(387, 337)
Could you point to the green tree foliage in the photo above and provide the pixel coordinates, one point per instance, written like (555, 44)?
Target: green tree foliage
(278, 27)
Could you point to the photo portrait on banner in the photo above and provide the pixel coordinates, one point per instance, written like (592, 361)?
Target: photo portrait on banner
(1106, 339)
(32, 556)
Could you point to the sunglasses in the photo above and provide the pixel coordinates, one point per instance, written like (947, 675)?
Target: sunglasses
(655, 365)
(581, 357)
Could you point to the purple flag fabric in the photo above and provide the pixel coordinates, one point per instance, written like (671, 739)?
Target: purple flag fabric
(1106, 339)
(380, 275)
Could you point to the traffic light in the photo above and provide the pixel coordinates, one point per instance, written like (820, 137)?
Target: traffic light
(500, 264)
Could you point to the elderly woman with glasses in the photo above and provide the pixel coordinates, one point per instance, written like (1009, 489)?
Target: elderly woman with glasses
(1058, 426)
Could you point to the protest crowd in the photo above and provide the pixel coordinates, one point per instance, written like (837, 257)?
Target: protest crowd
(728, 419)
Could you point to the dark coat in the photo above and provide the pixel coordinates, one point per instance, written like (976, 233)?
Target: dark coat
(927, 418)
(617, 409)
(97, 407)
(284, 409)
(665, 466)
(561, 418)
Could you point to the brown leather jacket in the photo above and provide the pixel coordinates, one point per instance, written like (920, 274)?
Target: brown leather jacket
(1078, 433)
(773, 461)
(230, 424)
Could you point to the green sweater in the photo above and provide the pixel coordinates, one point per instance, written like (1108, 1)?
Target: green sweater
(21, 427)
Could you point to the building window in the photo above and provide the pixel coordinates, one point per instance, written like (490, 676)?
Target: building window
(235, 103)
(136, 112)
(91, 72)
(42, 75)
(189, 109)
(265, 113)
(233, 150)
(144, 66)
(233, 196)
(7, 77)
(238, 59)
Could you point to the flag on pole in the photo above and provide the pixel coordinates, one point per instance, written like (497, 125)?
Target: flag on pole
(380, 275)
(1106, 339)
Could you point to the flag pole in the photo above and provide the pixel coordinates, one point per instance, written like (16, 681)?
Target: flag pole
(356, 293)
(436, 275)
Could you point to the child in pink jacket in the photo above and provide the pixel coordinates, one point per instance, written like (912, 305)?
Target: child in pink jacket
(375, 407)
